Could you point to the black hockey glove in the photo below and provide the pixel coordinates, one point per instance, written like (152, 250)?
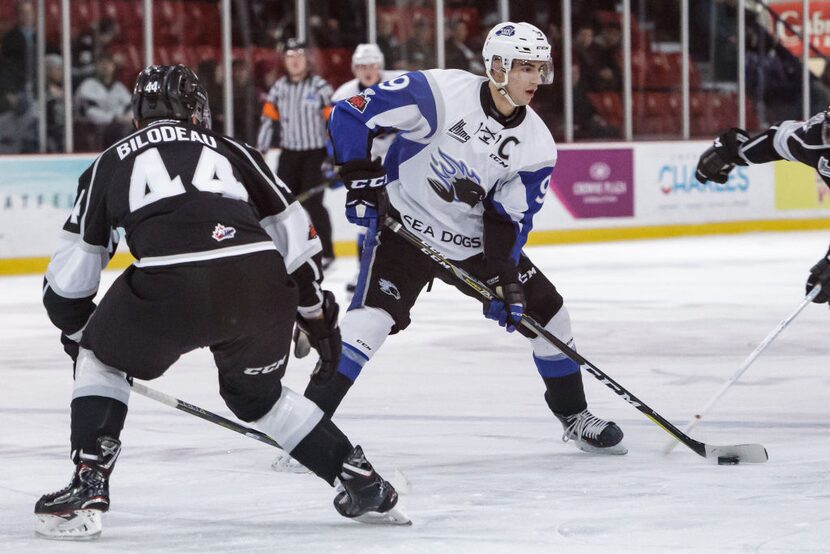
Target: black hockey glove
(322, 334)
(720, 159)
(509, 310)
(820, 275)
(366, 201)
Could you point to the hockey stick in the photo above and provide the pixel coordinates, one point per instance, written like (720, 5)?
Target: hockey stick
(168, 400)
(317, 189)
(732, 454)
(747, 362)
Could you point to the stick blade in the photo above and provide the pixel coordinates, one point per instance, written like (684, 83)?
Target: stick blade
(746, 453)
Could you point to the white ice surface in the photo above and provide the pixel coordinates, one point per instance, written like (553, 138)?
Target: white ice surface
(456, 405)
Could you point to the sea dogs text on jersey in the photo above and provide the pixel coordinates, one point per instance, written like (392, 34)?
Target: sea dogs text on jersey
(162, 133)
(442, 234)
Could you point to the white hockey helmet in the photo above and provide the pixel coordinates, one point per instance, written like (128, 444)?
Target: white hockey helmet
(367, 54)
(510, 42)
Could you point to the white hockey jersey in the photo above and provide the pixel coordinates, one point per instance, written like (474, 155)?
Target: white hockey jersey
(380, 143)
(464, 178)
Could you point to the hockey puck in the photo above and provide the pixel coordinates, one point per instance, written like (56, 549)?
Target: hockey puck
(728, 460)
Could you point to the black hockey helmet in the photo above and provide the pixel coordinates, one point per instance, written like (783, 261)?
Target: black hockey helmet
(170, 92)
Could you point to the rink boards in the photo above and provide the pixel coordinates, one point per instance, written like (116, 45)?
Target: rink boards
(603, 191)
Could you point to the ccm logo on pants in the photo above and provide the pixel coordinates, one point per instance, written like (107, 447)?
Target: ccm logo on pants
(267, 368)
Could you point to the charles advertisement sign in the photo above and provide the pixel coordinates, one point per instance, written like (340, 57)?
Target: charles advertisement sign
(595, 183)
(667, 190)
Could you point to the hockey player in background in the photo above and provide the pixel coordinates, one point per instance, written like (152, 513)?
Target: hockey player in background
(807, 142)
(367, 67)
(225, 259)
(469, 169)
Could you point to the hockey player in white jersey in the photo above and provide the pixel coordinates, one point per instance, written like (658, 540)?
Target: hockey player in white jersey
(367, 66)
(469, 169)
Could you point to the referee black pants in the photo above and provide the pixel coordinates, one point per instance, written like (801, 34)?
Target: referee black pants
(300, 170)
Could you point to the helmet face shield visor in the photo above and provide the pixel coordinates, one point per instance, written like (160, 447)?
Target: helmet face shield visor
(543, 68)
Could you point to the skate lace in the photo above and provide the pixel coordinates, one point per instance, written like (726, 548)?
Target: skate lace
(583, 424)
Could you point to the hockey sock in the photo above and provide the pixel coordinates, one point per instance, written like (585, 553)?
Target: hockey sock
(565, 394)
(330, 394)
(361, 237)
(323, 450)
(94, 417)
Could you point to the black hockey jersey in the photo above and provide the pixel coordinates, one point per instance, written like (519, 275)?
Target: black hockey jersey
(181, 194)
(807, 142)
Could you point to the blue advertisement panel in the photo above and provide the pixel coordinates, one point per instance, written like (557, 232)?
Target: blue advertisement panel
(36, 193)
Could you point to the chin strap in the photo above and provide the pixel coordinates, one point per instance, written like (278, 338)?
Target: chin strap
(503, 91)
(502, 87)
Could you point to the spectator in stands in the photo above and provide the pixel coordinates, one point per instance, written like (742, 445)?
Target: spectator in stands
(419, 50)
(457, 54)
(55, 116)
(294, 118)
(245, 105)
(587, 122)
(91, 45)
(18, 125)
(589, 57)
(388, 42)
(19, 51)
(609, 73)
(324, 31)
(102, 105)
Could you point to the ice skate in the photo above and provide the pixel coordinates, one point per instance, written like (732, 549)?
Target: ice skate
(363, 495)
(592, 434)
(74, 512)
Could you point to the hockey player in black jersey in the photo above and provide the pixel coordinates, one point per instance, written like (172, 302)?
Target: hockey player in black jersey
(225, 259)
(467, 172)
(807, 142)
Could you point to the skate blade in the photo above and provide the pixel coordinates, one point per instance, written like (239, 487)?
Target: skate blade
(81, 525)
(616, 450)
(392, 517)
(284, 463)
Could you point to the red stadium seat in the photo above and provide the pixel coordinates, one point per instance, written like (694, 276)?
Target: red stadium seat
(608, 105)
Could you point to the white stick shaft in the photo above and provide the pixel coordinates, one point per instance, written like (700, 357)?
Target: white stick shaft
(154, 394)
(747, 362)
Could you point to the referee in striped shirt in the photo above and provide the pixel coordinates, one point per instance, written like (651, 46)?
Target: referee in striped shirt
(294, 118)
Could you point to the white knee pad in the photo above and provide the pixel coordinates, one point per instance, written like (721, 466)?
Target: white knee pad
(365, 329)
(93, 378)
(291, 419)
(560, 327)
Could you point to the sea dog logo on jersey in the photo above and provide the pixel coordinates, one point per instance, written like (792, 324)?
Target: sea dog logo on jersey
(220, 233)
(360, 101)
(388, 287)
(455, 181)
(823, 167)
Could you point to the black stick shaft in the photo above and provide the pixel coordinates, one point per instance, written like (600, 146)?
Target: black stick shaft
(485, 293)
(191, 409)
